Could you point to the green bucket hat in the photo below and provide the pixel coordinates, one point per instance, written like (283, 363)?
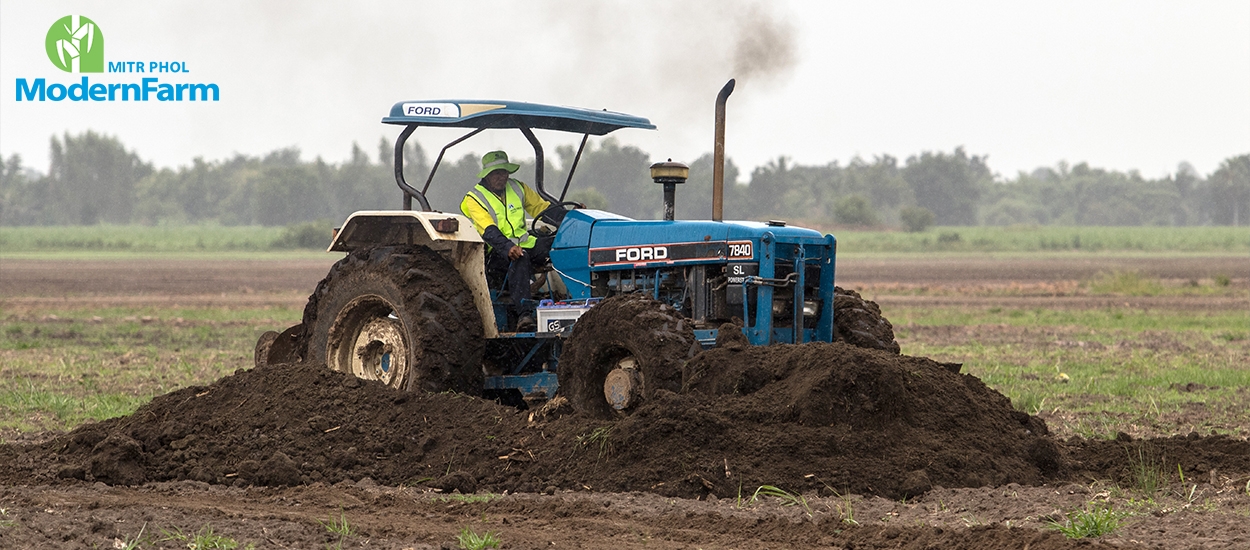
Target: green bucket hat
(496, 160)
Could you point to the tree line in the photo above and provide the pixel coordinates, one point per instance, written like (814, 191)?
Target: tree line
(94, 178)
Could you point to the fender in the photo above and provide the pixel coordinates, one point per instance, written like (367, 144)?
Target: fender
(451, 234)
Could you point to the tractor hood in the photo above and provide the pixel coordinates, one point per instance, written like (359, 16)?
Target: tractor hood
(595, 228)
(608, 239)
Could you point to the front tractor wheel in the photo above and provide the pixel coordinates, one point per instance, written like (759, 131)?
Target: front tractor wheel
(621, 353)
(399, 315)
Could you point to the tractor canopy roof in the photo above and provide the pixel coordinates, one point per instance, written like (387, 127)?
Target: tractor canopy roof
(473, 113)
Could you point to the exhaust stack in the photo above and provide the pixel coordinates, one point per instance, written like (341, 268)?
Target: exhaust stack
(718, 154)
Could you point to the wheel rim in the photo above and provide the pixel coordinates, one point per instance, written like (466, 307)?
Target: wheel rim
(369, 341)
(623, 386)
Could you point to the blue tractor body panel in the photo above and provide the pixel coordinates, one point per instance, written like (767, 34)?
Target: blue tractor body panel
(593, 245)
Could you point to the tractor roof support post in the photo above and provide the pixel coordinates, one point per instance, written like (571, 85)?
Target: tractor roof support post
(409, 191)
(439, 160)
(718, 154)
(538, 165)
(573, 168)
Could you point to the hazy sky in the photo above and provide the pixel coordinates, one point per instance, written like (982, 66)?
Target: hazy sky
(1122, 85)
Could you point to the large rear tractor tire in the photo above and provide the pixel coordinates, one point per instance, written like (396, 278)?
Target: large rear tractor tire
(621, 352)
(859, 322)
(401, 315)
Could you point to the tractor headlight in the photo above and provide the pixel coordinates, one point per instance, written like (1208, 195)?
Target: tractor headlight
(781, 307)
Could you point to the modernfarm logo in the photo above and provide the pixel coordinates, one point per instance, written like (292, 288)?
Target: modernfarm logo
(75, 44)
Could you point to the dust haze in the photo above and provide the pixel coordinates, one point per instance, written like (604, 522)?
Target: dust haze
(673, 58)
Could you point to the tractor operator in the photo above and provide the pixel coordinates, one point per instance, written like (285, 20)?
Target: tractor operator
(497, 205)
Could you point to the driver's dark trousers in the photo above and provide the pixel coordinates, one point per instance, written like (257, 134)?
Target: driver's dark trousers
(520, 272)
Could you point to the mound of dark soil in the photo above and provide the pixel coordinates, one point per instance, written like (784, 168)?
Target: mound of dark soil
(289, 424)
(865, 420)
(817, 417)
(826, 417)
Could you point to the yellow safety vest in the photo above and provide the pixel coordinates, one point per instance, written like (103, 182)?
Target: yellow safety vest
(512, 224)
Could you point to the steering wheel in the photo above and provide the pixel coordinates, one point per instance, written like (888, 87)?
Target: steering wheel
(553, 215)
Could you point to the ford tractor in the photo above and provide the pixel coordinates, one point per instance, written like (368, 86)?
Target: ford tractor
(621, 308)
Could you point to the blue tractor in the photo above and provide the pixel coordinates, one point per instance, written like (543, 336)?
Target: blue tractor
(624, 304)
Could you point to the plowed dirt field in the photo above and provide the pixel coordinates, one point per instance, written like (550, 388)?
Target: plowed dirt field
(875, 450)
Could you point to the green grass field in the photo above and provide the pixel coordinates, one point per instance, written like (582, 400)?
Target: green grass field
(63, 367)
(140, 240)
(1033, 239)
(314, 235)
(1099, 371)
(137, 238)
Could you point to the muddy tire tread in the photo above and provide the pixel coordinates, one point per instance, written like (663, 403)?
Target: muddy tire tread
(444, 324)
(654, 333)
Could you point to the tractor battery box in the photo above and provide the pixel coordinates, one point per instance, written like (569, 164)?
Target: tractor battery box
(559, 317)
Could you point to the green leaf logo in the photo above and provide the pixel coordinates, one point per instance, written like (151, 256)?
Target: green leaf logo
(75, 44)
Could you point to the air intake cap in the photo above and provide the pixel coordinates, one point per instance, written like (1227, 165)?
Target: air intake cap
(670, 172)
